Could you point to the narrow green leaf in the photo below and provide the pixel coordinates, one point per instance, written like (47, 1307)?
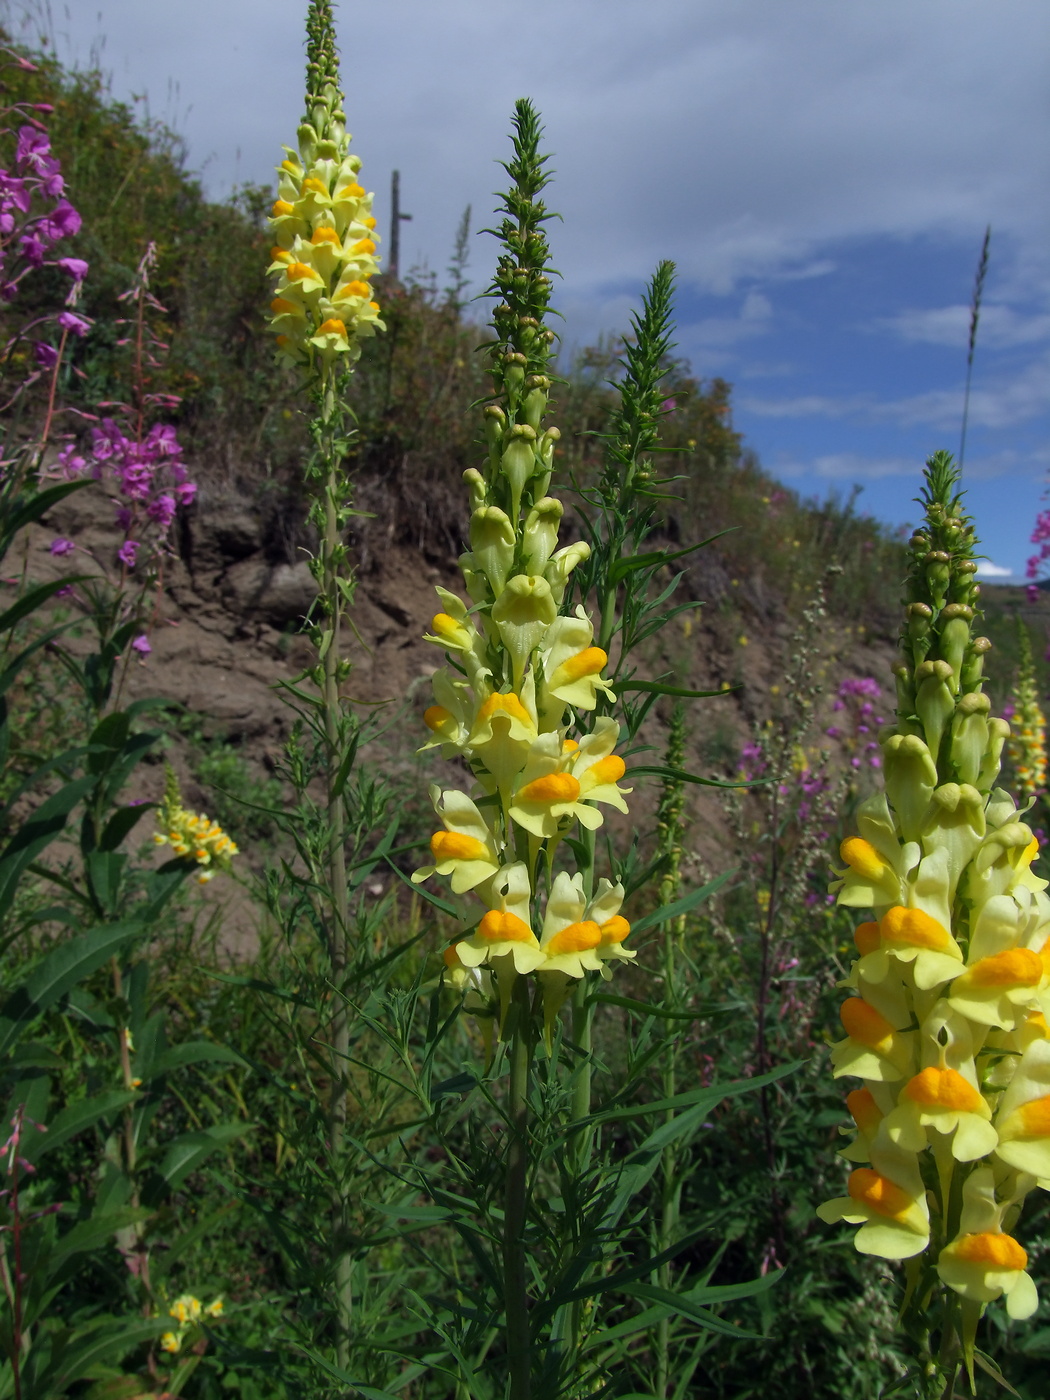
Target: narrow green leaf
(680, 1303)
(368, 1391)
(75, 1119)
(660, 688)
(644, 1008)
(193, 1052)
(122, 823)
(187, 1153)
(679, 775)
(667, 912)
(59, 972)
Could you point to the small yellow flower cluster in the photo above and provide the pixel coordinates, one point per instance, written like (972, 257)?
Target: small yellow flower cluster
(193, 834)
(1026, 748)
(324, 234)
(947, 1026)
(187, 1312)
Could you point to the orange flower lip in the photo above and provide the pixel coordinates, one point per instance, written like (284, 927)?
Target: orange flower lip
(326, 235)
(607, 770)
(867, 937)
(995, 1250)
(864, 1110)
(281, 208)
(1016, 967)
(588, 662)
(1033, 1117)
(498, 927)
(576, 938)
(300, 272)
(313, 183)
(880, 1194)
(862, 858)
(943, 1088)
(915, 928)
(435, 717)
(454, 845)
(866, 1025)
(505, 704)
(555, 787)
(615, 930)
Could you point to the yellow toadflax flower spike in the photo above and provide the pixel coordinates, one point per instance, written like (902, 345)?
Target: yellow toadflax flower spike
(324, 254)
(947, 1030)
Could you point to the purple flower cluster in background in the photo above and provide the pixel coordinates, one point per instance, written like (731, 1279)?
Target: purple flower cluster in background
(35, 217)
(150, 480)
(856, 700)
(1041, 537)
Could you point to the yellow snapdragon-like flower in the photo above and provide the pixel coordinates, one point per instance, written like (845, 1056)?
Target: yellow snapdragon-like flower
(192, 834)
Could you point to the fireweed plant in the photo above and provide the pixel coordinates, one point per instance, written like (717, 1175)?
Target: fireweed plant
(946, 1028)
(141, 464)
(95, 1155)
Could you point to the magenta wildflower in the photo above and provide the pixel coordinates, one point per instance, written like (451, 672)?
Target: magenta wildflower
(77, 325)
(141, 645)
(62, 546)
(76, 267)
(127, 552)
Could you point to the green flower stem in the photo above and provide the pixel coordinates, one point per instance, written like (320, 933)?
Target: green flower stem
(331, 561)
(669, 825)
(515, 1204)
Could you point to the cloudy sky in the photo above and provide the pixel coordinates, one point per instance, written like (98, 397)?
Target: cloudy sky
(822, 174)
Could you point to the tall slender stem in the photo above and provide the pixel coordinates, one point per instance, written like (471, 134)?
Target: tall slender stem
(515, 1281)
(331, 553)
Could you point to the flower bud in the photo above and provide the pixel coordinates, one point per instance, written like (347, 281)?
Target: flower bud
(911, 776)
(492, 545)
(540, 535)
(561, 566)
(973, 666)
(955, 635)
(998, 733)
(534, 407)
(523, 612)
(478, 490)
(970, 736)
(518, 463)
(934, 701)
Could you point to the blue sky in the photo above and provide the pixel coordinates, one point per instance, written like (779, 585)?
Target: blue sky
(822, 173)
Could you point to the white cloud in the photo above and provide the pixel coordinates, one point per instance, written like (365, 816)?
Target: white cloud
(999, 326)
(738, 140)
(1010, 400)
(986, 569)
(848, 467)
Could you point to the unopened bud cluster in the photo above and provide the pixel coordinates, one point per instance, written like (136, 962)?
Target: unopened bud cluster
(323, 227)
(946, 1029)
(522, 671)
